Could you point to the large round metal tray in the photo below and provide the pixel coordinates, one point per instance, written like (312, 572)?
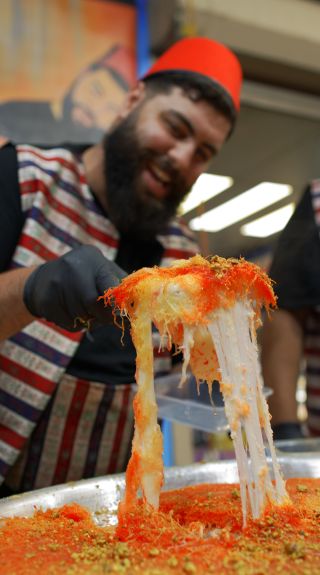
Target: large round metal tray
(102, 495)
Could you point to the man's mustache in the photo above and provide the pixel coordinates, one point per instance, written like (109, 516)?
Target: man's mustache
(177, 183)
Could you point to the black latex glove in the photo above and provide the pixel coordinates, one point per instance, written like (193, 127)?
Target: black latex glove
(65, 290)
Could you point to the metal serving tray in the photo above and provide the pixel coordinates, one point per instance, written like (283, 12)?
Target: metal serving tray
(101, 495)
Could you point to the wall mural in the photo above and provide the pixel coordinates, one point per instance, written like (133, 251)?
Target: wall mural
(65, 68)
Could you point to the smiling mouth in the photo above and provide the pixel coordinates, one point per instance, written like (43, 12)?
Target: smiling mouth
(160, 175)
(157, 180)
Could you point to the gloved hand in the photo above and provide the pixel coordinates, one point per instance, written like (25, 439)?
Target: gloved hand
(65, 290)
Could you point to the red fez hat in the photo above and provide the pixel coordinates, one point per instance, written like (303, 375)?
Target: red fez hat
(206, 57)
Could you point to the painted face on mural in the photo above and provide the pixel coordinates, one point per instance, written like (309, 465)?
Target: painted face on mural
(94, 100)
(154, 156)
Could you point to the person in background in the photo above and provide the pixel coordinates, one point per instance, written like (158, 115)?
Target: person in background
(291, 336)
(86, 110)
(72, 224)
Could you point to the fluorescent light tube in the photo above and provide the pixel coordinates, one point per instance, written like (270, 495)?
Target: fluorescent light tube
(205, 187)
(269, 224)
(240, 207)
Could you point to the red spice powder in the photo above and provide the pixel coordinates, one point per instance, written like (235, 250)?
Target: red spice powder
(198, 530)
(222, 281)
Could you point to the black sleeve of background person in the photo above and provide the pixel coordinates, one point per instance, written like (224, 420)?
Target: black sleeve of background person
(296, 263)
(11, 216)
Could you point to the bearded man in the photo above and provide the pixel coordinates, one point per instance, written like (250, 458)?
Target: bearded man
(73, 223)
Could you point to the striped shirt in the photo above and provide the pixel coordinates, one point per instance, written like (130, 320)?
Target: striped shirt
(53, 426)
(312, 339)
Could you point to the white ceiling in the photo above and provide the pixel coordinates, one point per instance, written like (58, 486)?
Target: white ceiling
(266, 146)
(285, 31)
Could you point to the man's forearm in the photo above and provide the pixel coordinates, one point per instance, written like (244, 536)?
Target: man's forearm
(14, 316)
(282, 350)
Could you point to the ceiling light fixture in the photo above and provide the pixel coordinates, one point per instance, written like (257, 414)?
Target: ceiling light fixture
(269, 224)
(205, 187)
(240, 207)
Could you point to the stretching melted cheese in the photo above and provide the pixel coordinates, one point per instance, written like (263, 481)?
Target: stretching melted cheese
(210, 310)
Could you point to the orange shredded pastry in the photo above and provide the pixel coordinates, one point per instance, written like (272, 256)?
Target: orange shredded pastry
(210, 309)
(197, 530)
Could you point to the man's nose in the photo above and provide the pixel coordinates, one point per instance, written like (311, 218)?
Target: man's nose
(181, 155)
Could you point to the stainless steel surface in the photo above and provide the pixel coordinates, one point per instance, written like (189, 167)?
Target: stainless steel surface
(308, 445)
(102, 495)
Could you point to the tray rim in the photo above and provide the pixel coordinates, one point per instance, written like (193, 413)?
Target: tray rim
(93, 492)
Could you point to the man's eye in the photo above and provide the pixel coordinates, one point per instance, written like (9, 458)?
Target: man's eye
(203, 155)
(175, 129)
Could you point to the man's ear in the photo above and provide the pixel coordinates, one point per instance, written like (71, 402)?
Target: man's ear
(133, 98)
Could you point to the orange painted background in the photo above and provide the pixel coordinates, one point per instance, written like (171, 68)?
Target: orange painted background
(46, 44)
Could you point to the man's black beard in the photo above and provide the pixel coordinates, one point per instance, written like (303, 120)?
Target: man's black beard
(133, 213)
